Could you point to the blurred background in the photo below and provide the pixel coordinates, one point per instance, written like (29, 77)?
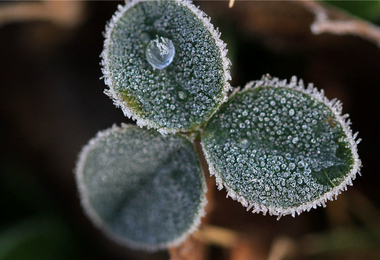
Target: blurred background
(52, 103)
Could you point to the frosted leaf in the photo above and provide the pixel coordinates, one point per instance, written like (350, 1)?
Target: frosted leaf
(143, 189)
(295, 152)
(165, 64)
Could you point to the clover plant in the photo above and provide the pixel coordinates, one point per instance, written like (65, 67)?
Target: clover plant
(277, 147)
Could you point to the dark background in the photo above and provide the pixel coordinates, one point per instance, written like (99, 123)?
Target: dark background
(52, 103)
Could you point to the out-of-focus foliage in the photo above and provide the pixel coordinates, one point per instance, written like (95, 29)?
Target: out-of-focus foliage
(369, 10)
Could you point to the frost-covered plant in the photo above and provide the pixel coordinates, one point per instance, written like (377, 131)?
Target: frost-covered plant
(276, 147)
(165, 65)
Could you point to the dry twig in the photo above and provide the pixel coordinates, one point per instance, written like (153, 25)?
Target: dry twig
(329, 20)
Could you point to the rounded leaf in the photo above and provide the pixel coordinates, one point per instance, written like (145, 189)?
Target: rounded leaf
(165, 64)
(281, 148)
(141, 188)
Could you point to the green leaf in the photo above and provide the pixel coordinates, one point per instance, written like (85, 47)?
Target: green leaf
(369, 10)
(141, 188)
(281, 148)
(170, 96)
(40, 237)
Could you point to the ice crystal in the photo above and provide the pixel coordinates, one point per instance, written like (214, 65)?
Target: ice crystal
(140, 187)
(280, 148)
(171, 96)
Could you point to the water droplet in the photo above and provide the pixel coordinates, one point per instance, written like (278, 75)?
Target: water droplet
(292, 166)
(145, 37)
(301, 164)
(244, 144)
(160, 52)
(182, 95)
(291, 112)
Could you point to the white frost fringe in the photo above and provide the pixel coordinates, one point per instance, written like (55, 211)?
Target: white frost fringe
(336, 108)
(118, 100)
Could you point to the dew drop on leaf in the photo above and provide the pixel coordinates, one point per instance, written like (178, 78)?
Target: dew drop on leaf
(160, 52)
(244, 144)
(145, 37)
(182, 95)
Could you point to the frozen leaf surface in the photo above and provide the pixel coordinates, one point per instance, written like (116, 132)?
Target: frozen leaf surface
(165, 64)
(281, 148)
(142, 188)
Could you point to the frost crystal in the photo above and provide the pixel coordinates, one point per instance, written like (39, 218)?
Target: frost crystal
(280, 148)
(141, 188)
(152, 85)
